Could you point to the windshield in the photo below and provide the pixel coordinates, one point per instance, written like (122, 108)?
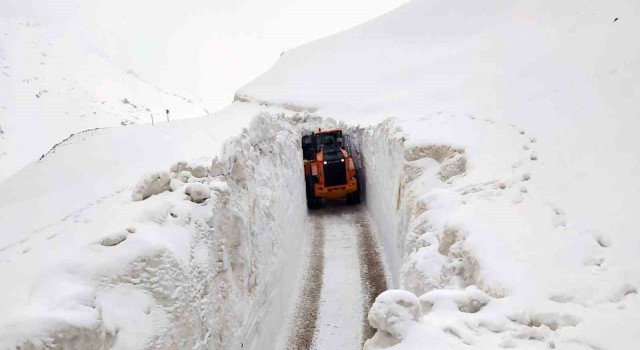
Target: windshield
(326, 139)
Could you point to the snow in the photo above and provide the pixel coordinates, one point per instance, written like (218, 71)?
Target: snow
(198, 193)
(54, 86)
(498, 147)
(485, 223)
(126, 309)
(206, 48)
(150, 184)
(78, 65)
(391, 314)
(498, 141)
(193, 265)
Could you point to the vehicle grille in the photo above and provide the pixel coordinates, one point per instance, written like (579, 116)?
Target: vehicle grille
(335, 173)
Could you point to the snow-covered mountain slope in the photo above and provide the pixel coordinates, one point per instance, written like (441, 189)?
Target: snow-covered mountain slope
(512, 159)
(51, 86)
(502, 187)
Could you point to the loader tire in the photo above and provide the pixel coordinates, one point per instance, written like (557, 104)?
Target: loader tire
(313, 202)
(355, 197)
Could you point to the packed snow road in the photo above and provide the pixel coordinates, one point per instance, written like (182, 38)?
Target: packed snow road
(344, 274)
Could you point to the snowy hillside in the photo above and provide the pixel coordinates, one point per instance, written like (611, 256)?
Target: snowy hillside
(53, 86)
(499, 151)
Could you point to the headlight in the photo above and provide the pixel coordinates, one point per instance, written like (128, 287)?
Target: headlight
(325, 162)
(342, 160)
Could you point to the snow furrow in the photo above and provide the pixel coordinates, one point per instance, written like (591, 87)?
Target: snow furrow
(372, 271)
(306, 313)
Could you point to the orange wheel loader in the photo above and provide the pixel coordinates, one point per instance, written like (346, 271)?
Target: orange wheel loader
(329, 168)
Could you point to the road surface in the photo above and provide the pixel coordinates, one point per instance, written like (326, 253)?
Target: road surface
(344, 275)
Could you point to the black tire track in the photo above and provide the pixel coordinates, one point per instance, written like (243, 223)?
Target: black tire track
(307, 307)
(372, 273)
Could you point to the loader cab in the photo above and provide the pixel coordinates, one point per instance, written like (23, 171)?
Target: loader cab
(328, 140)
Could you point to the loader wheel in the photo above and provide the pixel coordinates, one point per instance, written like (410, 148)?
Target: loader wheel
(356, 195)
(355, 198)
(313, 202)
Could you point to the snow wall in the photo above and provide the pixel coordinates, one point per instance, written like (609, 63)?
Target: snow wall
(390, 170)
(269, 177)
(486, 257)
(380, 153)
(212, 266)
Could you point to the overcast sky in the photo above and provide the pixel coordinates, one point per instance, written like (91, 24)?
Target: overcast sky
(210, 48)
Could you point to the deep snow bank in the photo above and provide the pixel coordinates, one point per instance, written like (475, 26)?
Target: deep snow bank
(495, 264)
(205, 260)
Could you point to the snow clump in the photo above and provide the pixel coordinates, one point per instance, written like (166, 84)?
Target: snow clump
(392, 314)
(179, 167)
(468, 300)
(200, 171)
(216, 167)
(180, 173)
(150, 184)
(198, 192)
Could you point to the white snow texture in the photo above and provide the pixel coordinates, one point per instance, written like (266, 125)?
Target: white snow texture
(195, 267)
(60, 86)
(499, 148)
